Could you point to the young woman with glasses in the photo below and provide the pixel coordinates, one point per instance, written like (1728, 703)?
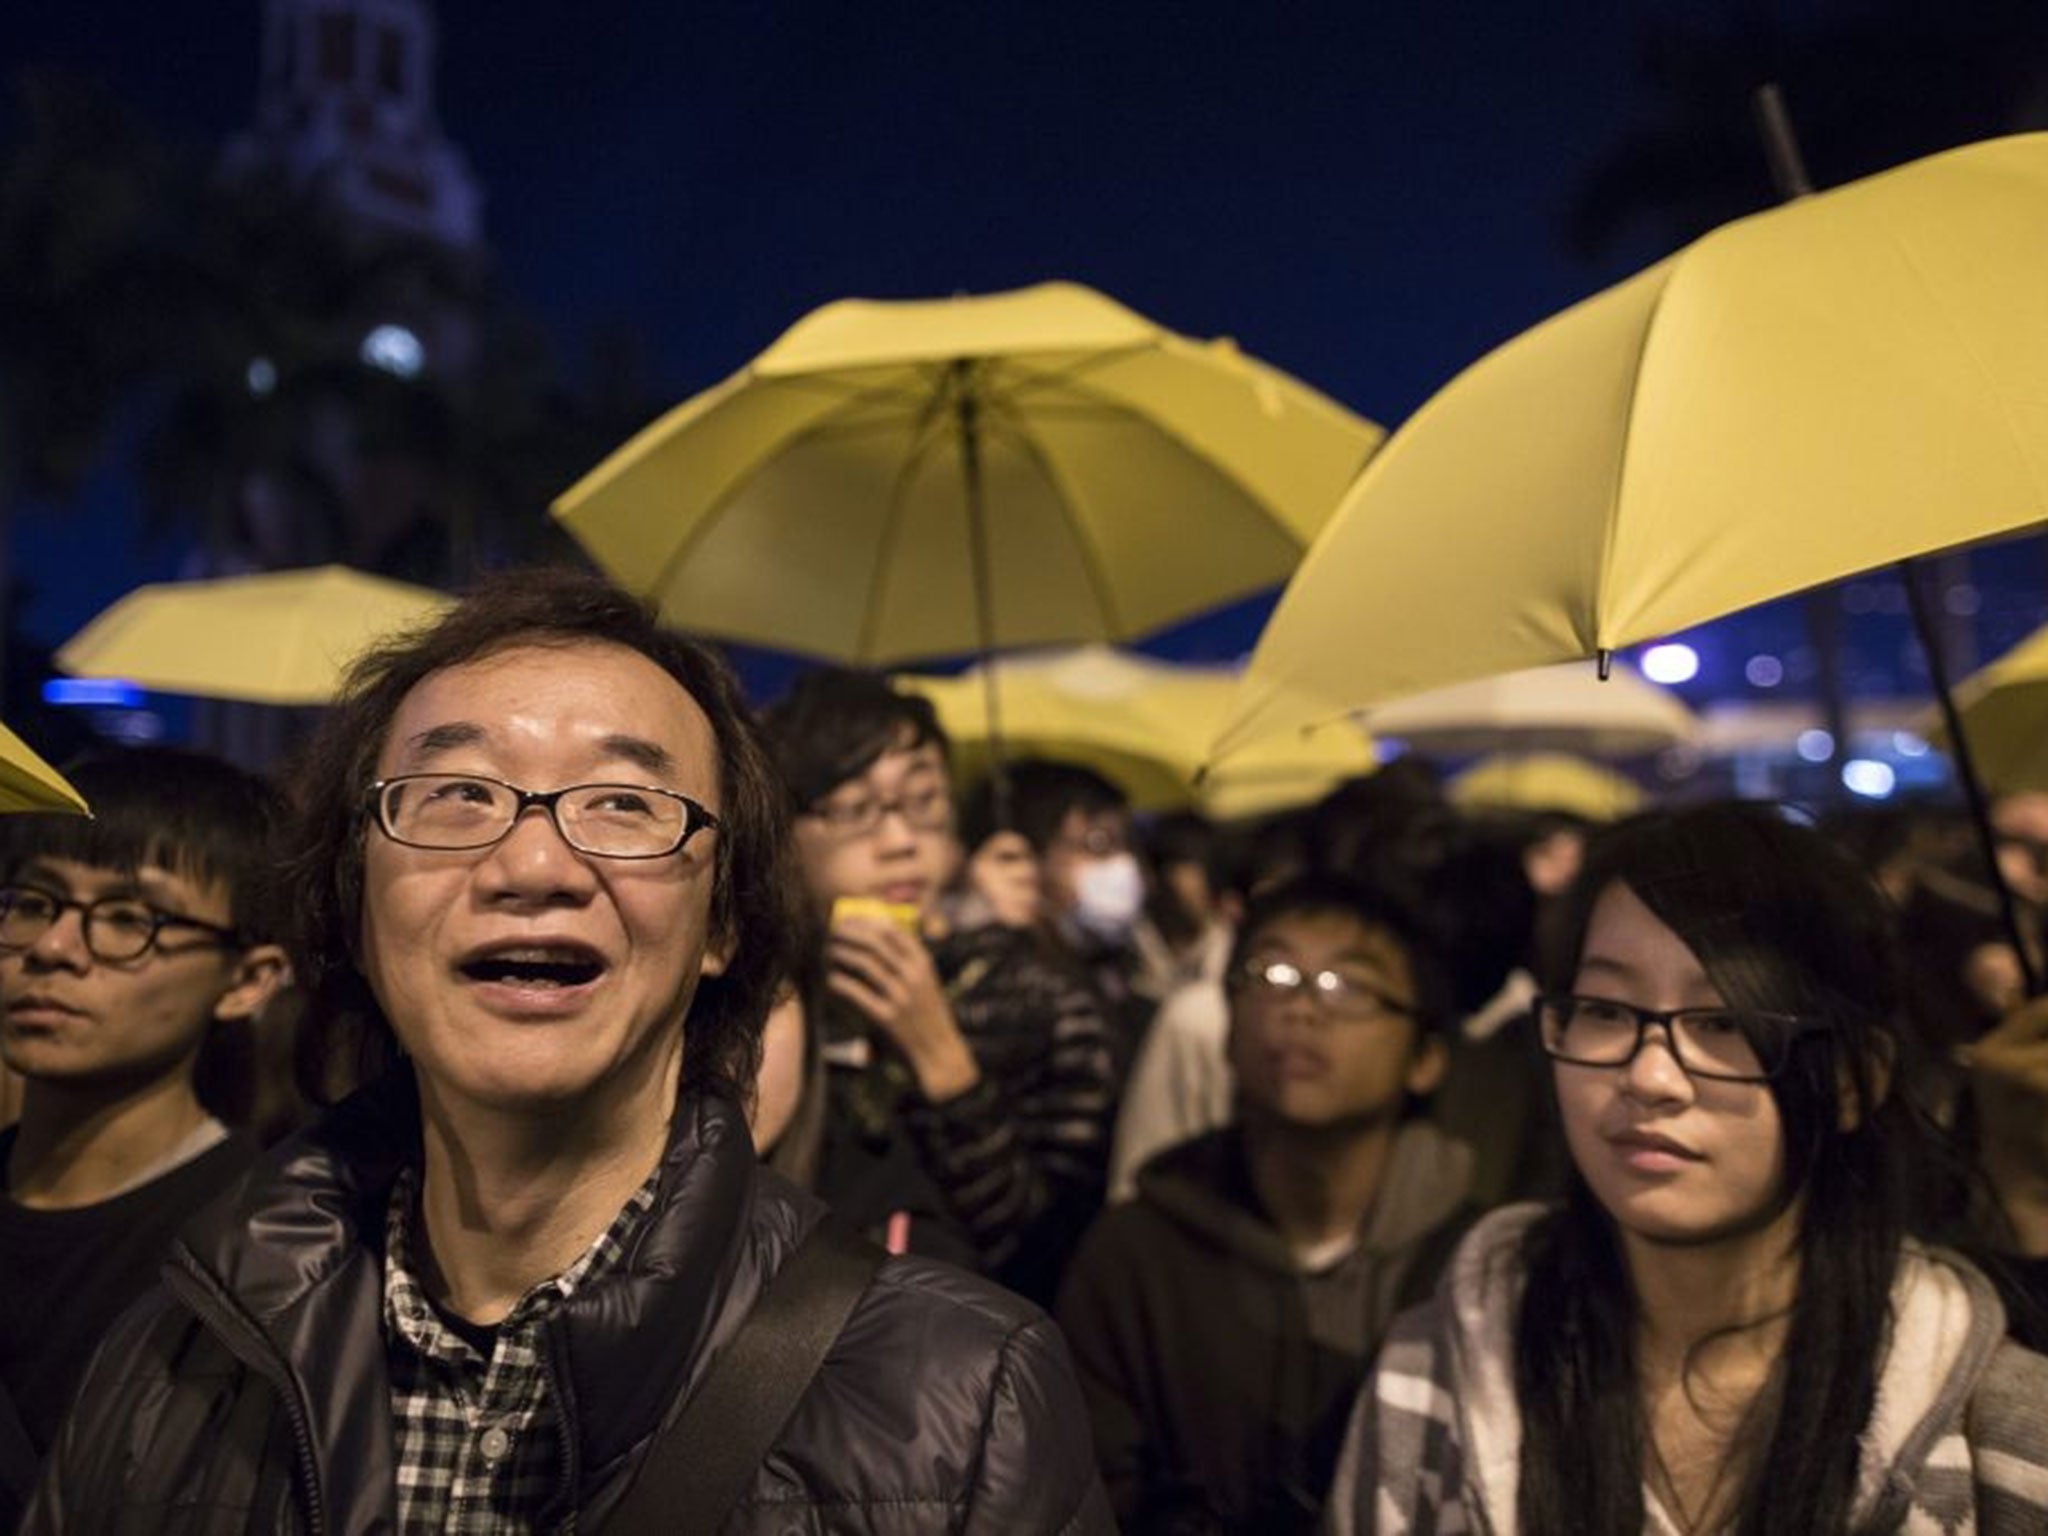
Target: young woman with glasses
(1725, 1327)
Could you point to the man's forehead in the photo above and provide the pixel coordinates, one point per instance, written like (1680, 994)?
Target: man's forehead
(71, 877)
(1336, 932)
(604, 700)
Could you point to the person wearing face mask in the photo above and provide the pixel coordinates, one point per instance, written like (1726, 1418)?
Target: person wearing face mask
(1091, 883)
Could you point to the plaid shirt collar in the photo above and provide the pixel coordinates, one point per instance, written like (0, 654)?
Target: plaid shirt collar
(479, 1450)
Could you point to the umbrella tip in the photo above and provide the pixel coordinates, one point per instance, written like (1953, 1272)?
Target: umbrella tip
(1605, 660)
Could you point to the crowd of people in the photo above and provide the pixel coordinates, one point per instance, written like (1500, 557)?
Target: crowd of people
(568, 1099)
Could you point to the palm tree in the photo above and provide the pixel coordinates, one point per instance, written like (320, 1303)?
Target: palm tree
(83, 239)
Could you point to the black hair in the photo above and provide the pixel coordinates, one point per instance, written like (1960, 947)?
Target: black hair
(833, 724)
(194, 815)
(1481, 905)
(199, 817)
(1778, 920)
(1179, 838)
(756, 900)
(1392, 827)
(1256, 855)
(1381, 910)
(1043, 791)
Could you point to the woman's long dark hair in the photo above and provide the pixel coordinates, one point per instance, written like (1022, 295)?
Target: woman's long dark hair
(1779, 920)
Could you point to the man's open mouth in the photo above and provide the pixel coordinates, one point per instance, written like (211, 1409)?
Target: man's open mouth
(535, 966)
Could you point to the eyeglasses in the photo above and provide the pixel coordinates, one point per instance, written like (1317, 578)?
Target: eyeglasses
(928, 808)
(1341, 996)
(116, 928)
(453, 812)
(1735, 1045)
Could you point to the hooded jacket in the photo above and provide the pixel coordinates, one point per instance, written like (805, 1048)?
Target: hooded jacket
(250, 1393)
(1957, 1440)
(1218, 1368)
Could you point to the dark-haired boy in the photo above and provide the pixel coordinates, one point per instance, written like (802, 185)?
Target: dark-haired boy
(1223, 1319)
(126, 940)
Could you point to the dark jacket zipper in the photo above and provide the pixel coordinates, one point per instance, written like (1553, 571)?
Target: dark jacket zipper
(216, 1310)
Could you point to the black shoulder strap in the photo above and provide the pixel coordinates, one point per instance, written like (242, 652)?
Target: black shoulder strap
(702, 1462)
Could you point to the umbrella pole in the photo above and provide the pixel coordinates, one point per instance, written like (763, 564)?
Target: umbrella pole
(969, 412)
(1966, 771)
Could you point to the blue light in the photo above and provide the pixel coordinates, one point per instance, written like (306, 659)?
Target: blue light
(93, 692)
(396, 350)
(1815, 746)
(1671, 663)
(1869, 778)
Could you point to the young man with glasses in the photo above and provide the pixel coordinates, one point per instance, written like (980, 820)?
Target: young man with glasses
(1223, 1319)
(545, 900)
(970, 1098)
(128, 942)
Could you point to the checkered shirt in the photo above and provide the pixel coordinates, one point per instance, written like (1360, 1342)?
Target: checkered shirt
(479, 1450)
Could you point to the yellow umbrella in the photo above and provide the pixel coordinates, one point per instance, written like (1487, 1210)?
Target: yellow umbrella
(281, 637)
(2004, 712)
(1851, 379)
(1143, 724)
(27, 783)
(897, 481)
(1567, 708)
(1546, 781)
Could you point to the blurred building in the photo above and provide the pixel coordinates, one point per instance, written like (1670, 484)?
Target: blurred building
(345, 106)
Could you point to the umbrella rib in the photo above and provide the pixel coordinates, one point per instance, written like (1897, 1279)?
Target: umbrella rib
(927, 439)
(1612, 516)
(1113, 411)
(1091, 557)
(711, 515)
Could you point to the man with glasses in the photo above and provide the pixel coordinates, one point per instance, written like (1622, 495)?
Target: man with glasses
(130, 943)
(531, 1277)
(1223, 1319)
(971, 1087)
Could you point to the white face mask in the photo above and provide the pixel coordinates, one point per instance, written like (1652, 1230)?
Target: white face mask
(1108, 896)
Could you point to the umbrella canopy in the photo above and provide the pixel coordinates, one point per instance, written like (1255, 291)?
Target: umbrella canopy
(1567, 708)
(2004, 712)
(1144, 724)
(1849, 380)
(1546, 781)
(27, 783)
(280, 637)
(891, 482)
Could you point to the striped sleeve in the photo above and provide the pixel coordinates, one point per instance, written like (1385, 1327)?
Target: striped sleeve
(1402, 1463)
(1022, 1156)
(2007, 1427)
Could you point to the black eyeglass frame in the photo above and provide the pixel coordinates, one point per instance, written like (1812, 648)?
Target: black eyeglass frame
(1251, 976)
(695, 817)
(1792, 1026)
(880, 810)
(159, 920)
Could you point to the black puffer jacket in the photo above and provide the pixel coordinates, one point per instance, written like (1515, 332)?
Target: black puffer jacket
(250, 1394)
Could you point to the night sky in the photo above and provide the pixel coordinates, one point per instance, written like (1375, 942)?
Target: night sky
(1367, 195)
